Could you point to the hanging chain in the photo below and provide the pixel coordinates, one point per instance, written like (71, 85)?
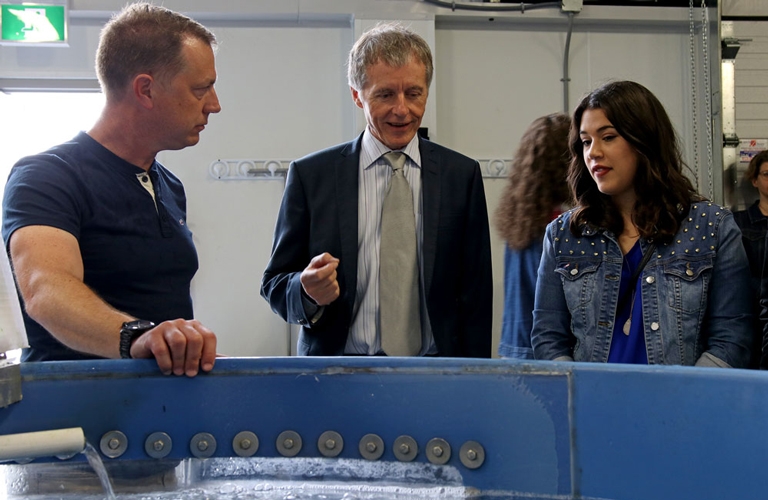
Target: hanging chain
(707, 122)
(708, 92)
(694, 101)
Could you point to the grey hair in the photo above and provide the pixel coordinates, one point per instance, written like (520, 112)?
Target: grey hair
(390, 43)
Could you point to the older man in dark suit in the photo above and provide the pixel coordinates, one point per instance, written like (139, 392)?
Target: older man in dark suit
(367, 263)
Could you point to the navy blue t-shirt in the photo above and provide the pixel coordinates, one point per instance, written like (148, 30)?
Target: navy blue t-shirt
(138, 255)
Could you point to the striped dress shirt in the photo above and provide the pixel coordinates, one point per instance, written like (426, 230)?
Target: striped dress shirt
(375, 172)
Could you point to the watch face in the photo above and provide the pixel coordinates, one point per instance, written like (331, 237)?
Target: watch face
(139, 324)
(130, 331)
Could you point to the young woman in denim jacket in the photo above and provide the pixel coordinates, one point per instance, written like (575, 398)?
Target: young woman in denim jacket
(690, 303)
(534, 194)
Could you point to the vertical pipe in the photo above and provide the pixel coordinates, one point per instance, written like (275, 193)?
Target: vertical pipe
(566, 78)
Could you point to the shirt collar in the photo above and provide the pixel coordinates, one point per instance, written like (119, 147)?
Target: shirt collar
(372, 149)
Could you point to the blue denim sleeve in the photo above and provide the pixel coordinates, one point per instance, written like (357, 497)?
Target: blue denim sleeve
(551, 337)
(520, 268)
(729, 313)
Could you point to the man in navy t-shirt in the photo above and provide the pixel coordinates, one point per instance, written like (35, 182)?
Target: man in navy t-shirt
(96, 228)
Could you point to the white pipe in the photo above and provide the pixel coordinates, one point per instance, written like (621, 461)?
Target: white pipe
(54, 443)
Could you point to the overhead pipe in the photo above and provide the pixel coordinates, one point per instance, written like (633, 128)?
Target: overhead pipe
(521, 7)
(569, 6)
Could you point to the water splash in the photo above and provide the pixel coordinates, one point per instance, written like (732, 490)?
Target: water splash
(254, 478)
(94, 459)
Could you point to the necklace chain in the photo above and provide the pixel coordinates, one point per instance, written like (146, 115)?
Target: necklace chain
(628, 323)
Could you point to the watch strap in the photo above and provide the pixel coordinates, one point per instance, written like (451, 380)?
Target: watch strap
(130, 331)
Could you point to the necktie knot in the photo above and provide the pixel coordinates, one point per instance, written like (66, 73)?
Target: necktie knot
(396, 160)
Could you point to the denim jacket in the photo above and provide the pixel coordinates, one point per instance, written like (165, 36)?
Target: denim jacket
(520, 268)
(695, 293)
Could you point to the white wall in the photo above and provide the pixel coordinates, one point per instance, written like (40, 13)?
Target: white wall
(283, 91)
(493, 83)
(283, 95)
(751, 75)
(745, 8)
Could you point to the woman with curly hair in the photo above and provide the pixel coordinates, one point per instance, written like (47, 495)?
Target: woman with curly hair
(642, 269)
(534, 195)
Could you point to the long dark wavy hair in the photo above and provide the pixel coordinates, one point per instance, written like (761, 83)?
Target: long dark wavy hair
(536, 182)
(664, 193)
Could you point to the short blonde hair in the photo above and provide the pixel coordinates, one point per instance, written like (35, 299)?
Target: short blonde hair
(144, 38)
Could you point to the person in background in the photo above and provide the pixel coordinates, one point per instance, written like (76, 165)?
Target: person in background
(534, 195)
(331, 269)
(96, 228)
(642, 269)
(753, 223)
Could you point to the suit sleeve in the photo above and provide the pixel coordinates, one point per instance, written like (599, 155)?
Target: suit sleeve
(280, 284)
(477, 295)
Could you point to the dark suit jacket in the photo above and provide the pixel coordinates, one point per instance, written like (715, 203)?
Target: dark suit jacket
(319, 214)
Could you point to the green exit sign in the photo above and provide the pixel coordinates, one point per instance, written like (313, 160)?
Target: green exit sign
(33, 24)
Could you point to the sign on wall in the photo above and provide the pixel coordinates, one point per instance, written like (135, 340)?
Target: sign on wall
(750, 147)
(41, 23)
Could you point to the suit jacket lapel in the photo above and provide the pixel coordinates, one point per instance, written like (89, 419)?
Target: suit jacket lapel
(347, 174)
(430, 187)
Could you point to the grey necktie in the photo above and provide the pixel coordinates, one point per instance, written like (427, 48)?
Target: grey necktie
(399, 267)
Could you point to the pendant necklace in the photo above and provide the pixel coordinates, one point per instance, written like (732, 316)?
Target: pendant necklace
(634, 285)
(628, 323)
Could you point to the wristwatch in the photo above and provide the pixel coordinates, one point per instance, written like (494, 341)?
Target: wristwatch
(130, 331)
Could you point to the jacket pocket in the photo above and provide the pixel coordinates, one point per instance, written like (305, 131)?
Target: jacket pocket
(753, 235)
(687, 283)
(579, 280)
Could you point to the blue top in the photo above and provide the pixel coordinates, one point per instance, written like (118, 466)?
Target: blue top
(629, 347)
(695, 293)
(520, 268)
(137, 256)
